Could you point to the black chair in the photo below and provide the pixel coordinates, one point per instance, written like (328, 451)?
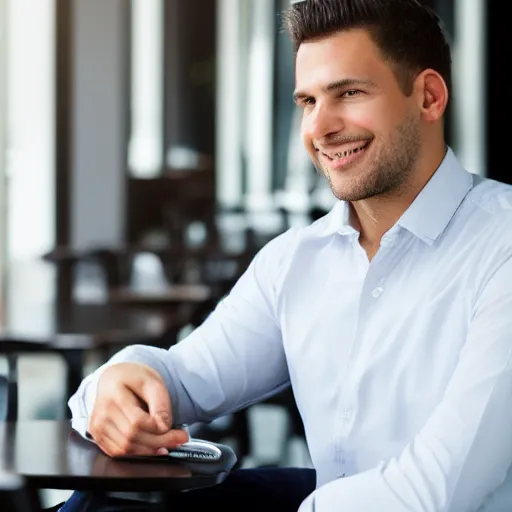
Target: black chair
(15, 495)
(9, 390)
(10, 350)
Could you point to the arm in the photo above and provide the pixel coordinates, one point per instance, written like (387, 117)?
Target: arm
(233, 359)
(464, 451)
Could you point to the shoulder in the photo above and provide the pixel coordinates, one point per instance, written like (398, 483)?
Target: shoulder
(281, 250)
(492, 197)
(491, 205)
(290, 241)
(489, 227)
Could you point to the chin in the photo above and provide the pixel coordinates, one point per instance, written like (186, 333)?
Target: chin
(342, 188)
(347, 193)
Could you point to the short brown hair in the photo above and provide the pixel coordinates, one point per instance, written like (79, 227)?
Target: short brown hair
(408, 33)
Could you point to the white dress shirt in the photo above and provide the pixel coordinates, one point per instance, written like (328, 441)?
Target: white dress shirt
(401, 368)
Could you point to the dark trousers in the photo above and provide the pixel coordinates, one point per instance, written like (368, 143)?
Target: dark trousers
(244, 490)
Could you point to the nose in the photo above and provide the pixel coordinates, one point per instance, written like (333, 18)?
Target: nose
(321, 122)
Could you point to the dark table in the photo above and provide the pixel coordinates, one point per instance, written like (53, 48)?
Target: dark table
(80, 325)
(50, 455)
(169, 298)
(74, 329)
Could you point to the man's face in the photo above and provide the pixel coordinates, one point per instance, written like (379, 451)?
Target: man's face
(361, 131)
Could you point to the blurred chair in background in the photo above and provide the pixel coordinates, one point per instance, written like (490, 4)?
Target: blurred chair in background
(15, 495)
(203, 251)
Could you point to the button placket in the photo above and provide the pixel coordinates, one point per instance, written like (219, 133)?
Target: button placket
(346, 414)
(377, 292)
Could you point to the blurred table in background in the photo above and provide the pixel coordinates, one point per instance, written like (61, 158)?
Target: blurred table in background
(76, 329)
(192, 280)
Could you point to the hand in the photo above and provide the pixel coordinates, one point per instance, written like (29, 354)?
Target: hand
(132, 413)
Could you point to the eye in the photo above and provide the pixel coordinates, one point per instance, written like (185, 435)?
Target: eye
(307, 102)
(351, 93)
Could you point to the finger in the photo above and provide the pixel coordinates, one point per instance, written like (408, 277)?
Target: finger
(156, 396)
(113, 449)
(108, 447)
(170, 439)
(114, 442)
(135, 416)
(128, 422)
(117, 427)
(109, 416)
(105, 438)
(129, 427)
(153, 439)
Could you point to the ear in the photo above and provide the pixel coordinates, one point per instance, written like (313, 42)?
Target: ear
(432, 95)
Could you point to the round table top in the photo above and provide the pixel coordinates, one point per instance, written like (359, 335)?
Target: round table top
(51, 455)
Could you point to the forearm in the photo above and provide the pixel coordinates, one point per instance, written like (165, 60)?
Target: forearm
(207, 375)
(81, 403)
(236, 357)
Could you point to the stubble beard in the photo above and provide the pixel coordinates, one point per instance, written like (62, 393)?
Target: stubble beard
(388, 172)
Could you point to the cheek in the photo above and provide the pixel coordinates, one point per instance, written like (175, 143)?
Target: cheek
(307, 140)
(371, 117)
(362, 116)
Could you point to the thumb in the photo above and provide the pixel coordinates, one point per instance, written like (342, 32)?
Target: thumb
(158, 401)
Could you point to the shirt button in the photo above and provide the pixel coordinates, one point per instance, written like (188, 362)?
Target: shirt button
(377, 292)
(346, 414)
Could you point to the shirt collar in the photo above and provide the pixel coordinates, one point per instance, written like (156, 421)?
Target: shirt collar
(436, 204)
(430, 212)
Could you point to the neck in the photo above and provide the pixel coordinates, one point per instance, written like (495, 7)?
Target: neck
(377, 215)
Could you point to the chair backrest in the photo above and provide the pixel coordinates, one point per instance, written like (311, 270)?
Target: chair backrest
(9, 390)
(3, 398)
(15, 496)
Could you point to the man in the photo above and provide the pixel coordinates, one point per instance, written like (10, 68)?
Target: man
(390, 317)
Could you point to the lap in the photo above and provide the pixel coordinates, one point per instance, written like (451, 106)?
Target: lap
(275, 489)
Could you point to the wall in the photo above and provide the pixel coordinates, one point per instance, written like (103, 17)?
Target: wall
(100, 102)
(3, 119)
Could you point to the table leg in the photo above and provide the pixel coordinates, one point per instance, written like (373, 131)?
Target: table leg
(33, 496)
(12, 388)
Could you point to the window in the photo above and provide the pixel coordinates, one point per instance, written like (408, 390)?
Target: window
(30, 127)
(145, 151)
(3, 126)
(30, 140)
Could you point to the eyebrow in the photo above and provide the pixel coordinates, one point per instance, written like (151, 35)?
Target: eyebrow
(335, 86)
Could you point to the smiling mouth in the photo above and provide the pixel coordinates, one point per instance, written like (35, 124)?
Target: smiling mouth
(345, 154)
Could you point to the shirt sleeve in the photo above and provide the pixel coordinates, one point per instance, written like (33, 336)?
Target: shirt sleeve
(233, 359)
(464, 451)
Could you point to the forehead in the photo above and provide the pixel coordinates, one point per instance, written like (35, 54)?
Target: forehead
(347, 54)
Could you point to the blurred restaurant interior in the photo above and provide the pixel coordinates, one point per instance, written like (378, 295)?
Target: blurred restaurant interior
(148, 150)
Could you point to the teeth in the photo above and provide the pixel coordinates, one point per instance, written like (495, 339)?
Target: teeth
(344, 154)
